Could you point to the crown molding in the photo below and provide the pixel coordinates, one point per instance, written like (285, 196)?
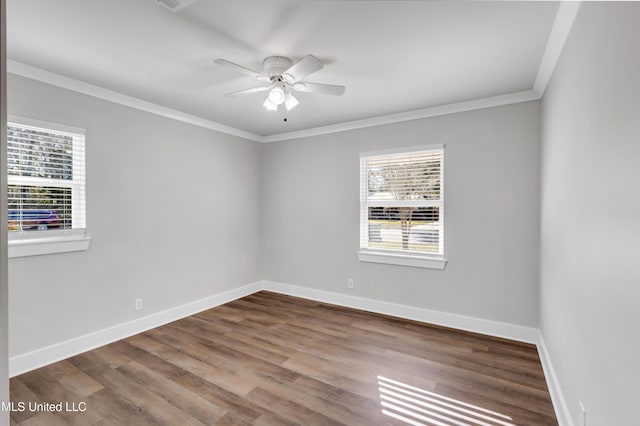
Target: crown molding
(39, 74)
(510, 98)
(560, 30)
(567, 12)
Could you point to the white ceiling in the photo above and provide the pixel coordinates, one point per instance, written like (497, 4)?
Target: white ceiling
(393, 56)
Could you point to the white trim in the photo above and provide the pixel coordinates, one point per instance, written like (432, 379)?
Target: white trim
(567, 11)
(402, 259)
(411, 149)
(36, 243)
(40, 357)
(408, 203)
(45, 125)
(48, 245)
(441, 210)
(477, 325)
(405, 258)
(34, 73)
(557, 397)
(23, 363)
(364, 213)
(494, 101)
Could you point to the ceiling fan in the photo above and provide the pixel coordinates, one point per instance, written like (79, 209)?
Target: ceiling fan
(282, 77)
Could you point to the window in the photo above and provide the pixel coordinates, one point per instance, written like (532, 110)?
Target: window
(45, 188)
(401, 207)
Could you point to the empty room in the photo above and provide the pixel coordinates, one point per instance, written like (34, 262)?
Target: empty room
(318, 212)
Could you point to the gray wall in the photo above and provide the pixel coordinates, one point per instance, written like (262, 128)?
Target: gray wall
(173, 210)
(492, 168)
(591, 215)
(4, 299)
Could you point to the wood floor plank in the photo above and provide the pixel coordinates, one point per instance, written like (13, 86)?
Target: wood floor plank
(531, 398)
(179, 363)
(269, 359)
(524, 417)
(20, 392)
(137, 394)
(116, 410)
(51, 419)
(288, 408)
(182, 398)
(74, 379)
(44, 384)
(198, 378)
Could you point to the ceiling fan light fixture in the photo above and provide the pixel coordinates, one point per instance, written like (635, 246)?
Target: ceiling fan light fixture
(283, 78)
(290, 102)
(270, 105)
(276, 96)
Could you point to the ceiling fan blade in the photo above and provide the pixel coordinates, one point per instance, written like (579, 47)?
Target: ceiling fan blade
(241, 69)
(307, 65)
(325, 89)
(248, 91)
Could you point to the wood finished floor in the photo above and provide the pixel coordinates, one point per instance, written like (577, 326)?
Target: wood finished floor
(269, 359)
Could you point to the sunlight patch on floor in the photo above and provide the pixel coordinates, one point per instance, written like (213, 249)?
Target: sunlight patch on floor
(417, 406)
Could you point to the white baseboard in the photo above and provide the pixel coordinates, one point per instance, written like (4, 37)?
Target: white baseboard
(557, 397)
(461, 322)
(39, 358)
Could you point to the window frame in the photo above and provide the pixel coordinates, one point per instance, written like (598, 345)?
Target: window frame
(398, 257)
(33, 243)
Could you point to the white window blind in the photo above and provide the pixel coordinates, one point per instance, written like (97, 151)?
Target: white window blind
(401, 202)
(46, 180)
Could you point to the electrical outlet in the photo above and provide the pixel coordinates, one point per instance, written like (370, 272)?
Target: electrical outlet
(350, 283)
(138, 304)
(583, 414)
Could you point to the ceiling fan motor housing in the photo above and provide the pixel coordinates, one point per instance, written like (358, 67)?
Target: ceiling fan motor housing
(276, 65)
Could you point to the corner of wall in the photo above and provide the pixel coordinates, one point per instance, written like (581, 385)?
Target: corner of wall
(557, 397)
(4, 303)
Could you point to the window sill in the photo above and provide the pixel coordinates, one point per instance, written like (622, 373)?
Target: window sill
(402, 259)
(51, 245)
